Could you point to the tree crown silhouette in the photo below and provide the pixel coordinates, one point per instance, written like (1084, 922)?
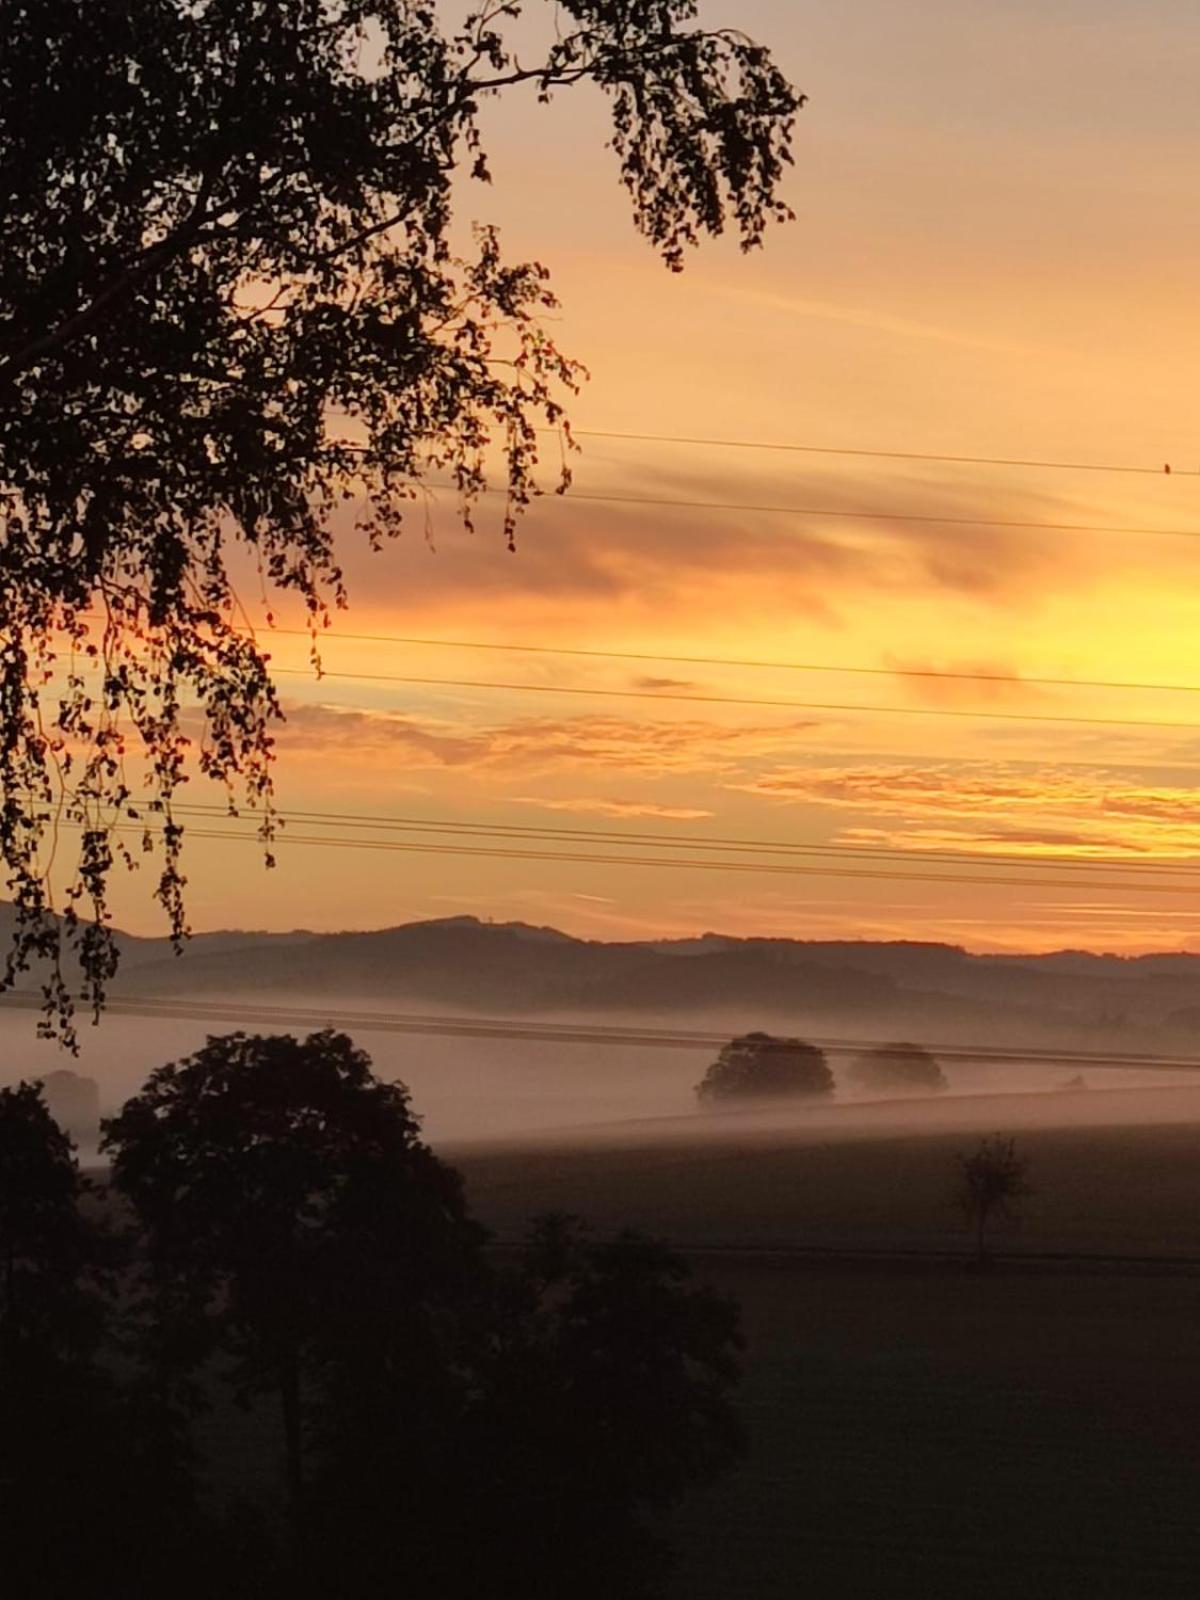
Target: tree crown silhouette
(235, 297)
(897, 1067)
(764, 1066)
(299, 1237)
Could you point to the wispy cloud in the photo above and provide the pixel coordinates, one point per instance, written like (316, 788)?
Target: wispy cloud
(614, 808)
(998, 808)
(959, 682)
(538, 744)
(710, 555)
(879, 322)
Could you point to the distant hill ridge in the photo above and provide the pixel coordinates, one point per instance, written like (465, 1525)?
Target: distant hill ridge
(466, 962)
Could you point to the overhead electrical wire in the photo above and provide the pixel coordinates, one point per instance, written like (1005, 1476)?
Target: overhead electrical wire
(529, 1030)
(1009, 679)
(875, 515)
(737, 700)
(676, 840)
(834, 669)
(686, 863)
(1166, 470)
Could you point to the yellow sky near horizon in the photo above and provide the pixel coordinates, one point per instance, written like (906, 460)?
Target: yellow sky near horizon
(995, 254)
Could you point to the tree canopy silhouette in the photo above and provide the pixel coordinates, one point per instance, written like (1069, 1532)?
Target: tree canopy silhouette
(590, 1389)
(62, 1450)
(291, 1214)
(298, 1235)
(97, 1472)
(897, 1067)
(762, 1066)
(608, 1398)
(234, 294)
(45, 1245)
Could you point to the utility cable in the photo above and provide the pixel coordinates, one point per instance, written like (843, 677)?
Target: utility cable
(1166, 470)
(938, 674)
(737, 700)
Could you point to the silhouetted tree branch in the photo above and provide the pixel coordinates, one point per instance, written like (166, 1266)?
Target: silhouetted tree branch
(234, 296)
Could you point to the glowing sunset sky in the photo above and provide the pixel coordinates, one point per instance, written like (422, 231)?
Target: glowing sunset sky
(996, 254)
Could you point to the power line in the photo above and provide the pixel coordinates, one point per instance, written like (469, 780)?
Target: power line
(760, 703)
(598, 858)
(741, 700)
(938, 674)
(957, 713)
(675, 840)
(871, 515)
(853, 516)
(659, 840)
(739, 661)
(529, 1030)
(881, 455)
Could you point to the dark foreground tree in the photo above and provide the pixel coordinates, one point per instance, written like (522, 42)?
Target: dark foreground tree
(991, 1183)
(762, 1066)
(593, 1390)
(86, 1470)
(46, 1247)
(897, 1068)
(446, 1425)
(292, 1217)
(234, 295)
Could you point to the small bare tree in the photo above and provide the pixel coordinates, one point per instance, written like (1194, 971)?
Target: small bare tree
(991, 1181)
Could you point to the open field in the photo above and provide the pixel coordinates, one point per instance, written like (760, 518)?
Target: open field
(1114, 1172)
(919, 1428)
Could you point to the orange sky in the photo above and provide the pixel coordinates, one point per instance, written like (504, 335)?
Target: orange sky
(996, 254)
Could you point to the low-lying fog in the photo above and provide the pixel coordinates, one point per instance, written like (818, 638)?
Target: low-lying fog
(468, 1089)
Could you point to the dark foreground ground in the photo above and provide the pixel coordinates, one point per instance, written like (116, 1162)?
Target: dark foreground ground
(931, 1432)
(919, 1428)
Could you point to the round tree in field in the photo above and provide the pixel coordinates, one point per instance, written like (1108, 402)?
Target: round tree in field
(897, 1069)
(760, 1066)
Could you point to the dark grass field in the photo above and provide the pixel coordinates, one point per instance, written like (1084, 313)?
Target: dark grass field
(920, 1428)
(1112, 1174)
(928, 1431)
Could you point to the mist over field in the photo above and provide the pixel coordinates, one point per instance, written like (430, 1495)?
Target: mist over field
(469, 1089)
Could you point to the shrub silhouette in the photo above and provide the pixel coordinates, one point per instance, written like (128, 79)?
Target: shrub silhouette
(991, 1183)
(903, 1067)
(762, 1066)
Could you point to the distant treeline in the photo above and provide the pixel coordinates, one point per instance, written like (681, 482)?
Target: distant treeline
(763, 1066)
